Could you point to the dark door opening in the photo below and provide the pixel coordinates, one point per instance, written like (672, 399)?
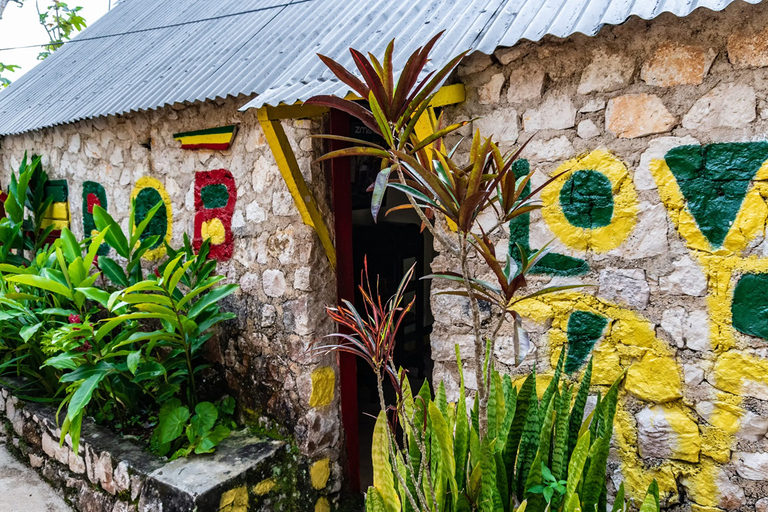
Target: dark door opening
(391, 245)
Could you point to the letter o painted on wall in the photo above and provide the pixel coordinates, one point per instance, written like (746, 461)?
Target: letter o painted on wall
(592, 204)
(146, 194)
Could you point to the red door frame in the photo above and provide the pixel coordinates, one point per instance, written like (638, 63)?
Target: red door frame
(345, 290)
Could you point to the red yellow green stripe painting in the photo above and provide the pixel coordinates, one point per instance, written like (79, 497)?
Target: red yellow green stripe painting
(213, 138)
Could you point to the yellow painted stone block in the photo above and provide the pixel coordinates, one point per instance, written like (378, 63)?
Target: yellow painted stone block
(320, 472)
(688, 440)
(634, 332)
(58, 211)
(322, 505)
(654, 379)
(264, 487)
(234, 500)
(606, 367)
(214, 231)
(702, 508)
(323, 386)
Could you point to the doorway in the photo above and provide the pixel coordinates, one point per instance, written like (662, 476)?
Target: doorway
(391, 244)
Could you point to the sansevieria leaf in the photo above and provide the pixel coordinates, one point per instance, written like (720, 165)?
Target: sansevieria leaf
(509, 453)
(383, 478)
(529, 445)
(374, 502)
(461, 444)
(445, 440)
(594, 482)
(577, 412)
(576, 466)
(618, 503)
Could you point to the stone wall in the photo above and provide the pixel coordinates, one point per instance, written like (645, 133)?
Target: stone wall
(282, 269)
(657, 130)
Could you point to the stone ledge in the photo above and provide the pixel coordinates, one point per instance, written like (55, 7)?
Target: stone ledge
(114, 474)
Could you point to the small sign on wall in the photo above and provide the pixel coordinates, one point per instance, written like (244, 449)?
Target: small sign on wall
(213, 138)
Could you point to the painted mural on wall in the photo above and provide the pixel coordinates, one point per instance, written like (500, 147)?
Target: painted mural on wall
(93, 195)
(716, 197)
(215, 199)
(57, 215)
(147, 193)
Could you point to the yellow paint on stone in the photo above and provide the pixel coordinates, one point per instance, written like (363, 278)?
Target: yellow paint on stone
(625, 206)
(150, 182)
(264, 487)
(234, 500)
(322, 505)
(688, 444)
(323, 386)
(655, 379)
(320, 472)
(214, 231)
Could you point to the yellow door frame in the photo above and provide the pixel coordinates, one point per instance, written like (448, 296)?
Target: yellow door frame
(271, 118)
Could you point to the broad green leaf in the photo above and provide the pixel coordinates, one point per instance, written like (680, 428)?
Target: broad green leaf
(82, 396)
(383, 477)
(132, 361)
(211, 297)
(86, 371)
(114, 237)
(207, 414)
(41, 282)
(113, 271)
(172, 424)
(28, 331)
(148, 371)
(95, 294)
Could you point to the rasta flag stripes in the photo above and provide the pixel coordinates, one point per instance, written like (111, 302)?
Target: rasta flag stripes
(213, 138)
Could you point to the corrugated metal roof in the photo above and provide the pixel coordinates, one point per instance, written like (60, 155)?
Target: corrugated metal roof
(208, 50)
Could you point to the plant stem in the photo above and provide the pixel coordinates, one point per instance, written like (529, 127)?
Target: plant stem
(479, 345)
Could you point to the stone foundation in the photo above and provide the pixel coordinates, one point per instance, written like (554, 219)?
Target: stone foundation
(113, 474)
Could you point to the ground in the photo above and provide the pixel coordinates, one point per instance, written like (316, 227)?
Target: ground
(23, 489)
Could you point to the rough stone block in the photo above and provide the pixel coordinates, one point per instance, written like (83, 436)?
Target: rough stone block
(625, 285)
(488, 94)
(635, 115)
(731, 105)
(696, 331)
(608, 71)
(686, 279)
(556, 112)
(587, 129)
(748, 49)
(273, 282)
(752, 466)
(474, 63)
(667, 433)
(552, 150)
(676, 64)
(672, 321)
(657, 148)
(654, 379)
(501, 123)
(525, 84)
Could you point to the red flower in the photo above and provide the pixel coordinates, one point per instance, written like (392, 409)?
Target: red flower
(157, 273)
(85, 347)
(74, 319)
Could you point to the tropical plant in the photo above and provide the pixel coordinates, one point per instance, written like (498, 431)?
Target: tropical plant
(436, 184)
(182, 433)
(538, 454)
(21, 229)
(112, 347)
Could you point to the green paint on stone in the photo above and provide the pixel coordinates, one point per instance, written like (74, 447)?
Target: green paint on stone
(214, 196)
(750, 305)
(714, 180)
(587, 199)
(58, 190)
(93, 193)
(552, 264)
(146, 199)
(584, 330)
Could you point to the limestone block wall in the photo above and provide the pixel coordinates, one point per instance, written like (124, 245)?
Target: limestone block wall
(278, 261)
(658, 130)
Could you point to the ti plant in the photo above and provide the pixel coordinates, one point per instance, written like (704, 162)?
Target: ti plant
(436, 183)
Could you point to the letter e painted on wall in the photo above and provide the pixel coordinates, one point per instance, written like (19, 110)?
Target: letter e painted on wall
(215, 198)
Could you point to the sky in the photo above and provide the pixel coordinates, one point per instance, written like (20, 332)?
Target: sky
(20, 27)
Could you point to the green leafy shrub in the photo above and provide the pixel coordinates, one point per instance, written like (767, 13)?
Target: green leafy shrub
(104, 339)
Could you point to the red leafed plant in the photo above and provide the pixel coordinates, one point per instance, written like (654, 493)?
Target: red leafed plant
(440, 186)
(373, 329)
